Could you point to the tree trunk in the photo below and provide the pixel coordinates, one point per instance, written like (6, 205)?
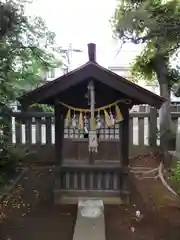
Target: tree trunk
(161, 69)
(165, 116)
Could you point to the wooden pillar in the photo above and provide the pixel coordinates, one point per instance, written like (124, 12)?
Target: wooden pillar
(124, 138)
(124, 151)
(59, 133)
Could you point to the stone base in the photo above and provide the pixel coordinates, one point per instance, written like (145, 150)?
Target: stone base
(72, 197)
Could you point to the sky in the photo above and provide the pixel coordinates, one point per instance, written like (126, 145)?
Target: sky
(81, 22)
(77, 22)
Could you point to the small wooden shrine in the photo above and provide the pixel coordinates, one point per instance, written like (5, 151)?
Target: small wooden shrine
(80, 97)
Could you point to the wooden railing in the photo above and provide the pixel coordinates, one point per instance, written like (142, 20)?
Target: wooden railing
(38, 128)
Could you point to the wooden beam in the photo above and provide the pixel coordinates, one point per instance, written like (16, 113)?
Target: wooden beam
(120, 144)
(92, 52)
(124, 138)
(124, 150)
(59, 133)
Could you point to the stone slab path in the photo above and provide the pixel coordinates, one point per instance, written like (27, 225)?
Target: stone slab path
(90, 221)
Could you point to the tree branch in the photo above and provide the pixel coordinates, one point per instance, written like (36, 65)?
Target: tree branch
(166, 29)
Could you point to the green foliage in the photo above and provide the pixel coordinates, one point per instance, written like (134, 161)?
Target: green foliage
(41, 107)
(175, 175)
(145, 20)
(9, 154)
(155, 23)
(142, 68)
(27, 51)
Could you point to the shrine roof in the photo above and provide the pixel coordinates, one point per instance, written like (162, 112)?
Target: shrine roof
(91, 70)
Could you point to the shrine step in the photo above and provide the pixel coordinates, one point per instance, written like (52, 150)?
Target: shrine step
(74, 200)
(71, 197)
(90, 220)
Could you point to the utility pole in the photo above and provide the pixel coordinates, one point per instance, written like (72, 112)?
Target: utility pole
(68, 55)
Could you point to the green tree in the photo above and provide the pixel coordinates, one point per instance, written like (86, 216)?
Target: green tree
(27, 49)
(156, 24)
